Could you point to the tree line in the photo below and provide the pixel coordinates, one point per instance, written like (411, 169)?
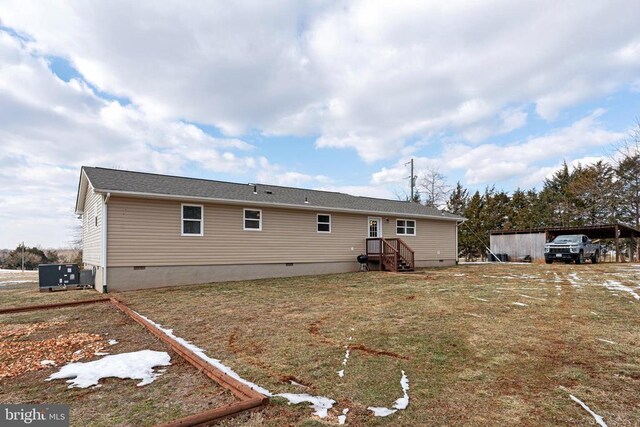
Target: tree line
(601, 193)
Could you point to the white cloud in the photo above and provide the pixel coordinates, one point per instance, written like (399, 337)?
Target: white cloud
(489, 163)
(367, 75)
(276, 175)
(526, 161)
(49, 128)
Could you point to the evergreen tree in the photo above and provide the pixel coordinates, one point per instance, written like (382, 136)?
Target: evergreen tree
(470, 241)
(458, 200)
(557, 198)
(628, 174)
(592, 190)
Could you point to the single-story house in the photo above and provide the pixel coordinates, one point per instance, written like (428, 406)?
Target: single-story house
(143, 230)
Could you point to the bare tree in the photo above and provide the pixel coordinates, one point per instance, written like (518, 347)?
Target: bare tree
(434, 188)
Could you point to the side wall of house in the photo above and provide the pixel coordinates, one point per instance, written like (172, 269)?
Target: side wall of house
(434, 243)
(92, 234)
(92, 228)
(146, 249)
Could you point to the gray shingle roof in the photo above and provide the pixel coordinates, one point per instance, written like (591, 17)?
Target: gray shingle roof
(121, 181)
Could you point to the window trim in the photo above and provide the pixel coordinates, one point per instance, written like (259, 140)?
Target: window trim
(244, 218)
(183, 219)
(415, 227)
(318, 223)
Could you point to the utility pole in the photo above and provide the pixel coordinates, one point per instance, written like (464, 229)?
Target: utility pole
(23, 256)
(412, 179)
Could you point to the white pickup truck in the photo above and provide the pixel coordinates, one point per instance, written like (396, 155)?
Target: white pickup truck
(573, 247)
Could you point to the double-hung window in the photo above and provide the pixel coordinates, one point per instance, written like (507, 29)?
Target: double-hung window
(192, 220)
(324, 223)
(253, 219)
(405, 227)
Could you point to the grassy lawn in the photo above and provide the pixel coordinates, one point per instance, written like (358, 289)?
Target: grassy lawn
(471, 355)
(18, 289)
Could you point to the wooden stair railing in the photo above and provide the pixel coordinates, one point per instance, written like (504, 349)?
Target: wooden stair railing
(389, 256)
(393, 254)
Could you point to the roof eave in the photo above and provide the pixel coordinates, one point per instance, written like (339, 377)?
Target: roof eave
(262, 203)
(83, 184)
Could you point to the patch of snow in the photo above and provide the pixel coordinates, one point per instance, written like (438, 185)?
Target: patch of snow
(597, 417)
(297, 384)
(11, 282)
(459, 275)
(137, 365)
(403, 402)
(494, 262)
(344, 362)
(480, 299)
(7, 271)
(400, 403)
(530, 297)
(379, 411)
(100, 353)
(607, 341)
(574, 279)
(343, 418)
(521, 304)
(472, 314)
(613, 285)
(113, 342)
(594, 313)
(320, 403)
(47, 363)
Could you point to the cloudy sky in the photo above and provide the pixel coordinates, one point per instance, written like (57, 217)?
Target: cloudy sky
(330, 95)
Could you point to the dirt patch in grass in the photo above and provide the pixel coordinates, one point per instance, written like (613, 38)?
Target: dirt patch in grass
(178, 392)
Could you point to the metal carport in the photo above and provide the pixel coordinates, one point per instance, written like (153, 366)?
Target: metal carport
(510, 241)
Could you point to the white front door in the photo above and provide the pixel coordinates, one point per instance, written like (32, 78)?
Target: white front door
(375, 227)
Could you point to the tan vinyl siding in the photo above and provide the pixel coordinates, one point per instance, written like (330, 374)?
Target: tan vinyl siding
(432, 236)
(92, 233)
(146, 232)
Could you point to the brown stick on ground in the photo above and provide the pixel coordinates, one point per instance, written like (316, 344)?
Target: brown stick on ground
(214, 415)
(239, 389)
(48, 306)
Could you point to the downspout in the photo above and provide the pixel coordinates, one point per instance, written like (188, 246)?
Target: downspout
(457, 237)
(104, 243)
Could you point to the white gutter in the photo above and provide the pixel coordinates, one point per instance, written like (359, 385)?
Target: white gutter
(104, 242)
(458, 223)
(259, 203)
